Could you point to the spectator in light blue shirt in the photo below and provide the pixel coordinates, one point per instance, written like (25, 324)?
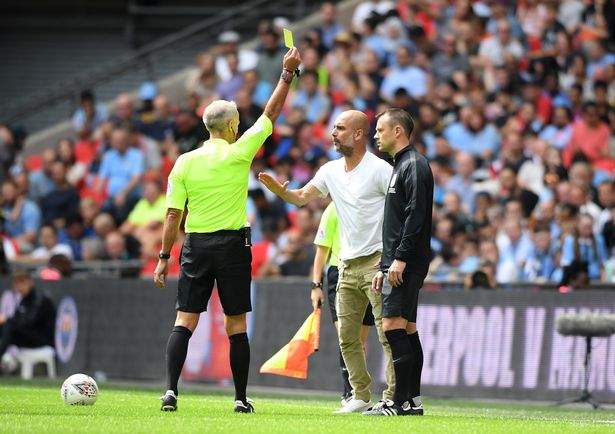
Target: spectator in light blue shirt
(405, 76)
(311, 99)
(121, 169)
(514, 247)
(463, 183)
(473, 135)
(585, 246)
(540, 265)
(40, 183)
(330, 27)
(22, 217)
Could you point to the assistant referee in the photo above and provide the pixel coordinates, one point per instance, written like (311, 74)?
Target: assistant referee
(213, 180)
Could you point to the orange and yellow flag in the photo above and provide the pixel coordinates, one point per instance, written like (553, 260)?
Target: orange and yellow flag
(292, 360)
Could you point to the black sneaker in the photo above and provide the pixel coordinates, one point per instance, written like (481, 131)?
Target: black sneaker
(244, 407)
(414, 407)
(386, 408)
(169, 401)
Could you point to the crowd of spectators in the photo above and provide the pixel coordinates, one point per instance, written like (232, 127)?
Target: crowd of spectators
(514, 105)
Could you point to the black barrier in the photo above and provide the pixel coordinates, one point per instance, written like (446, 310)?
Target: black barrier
(488, 344)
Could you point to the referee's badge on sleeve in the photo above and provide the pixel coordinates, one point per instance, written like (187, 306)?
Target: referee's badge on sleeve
(320, 234)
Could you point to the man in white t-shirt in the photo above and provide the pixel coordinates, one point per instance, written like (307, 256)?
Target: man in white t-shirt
(358, 185)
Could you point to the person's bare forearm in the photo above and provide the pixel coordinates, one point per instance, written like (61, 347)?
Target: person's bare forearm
(170, 229)
(320, 259)
(295, 197)
(276, 101)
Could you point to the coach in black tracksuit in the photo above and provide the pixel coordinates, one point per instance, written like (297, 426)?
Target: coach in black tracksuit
(406, 253)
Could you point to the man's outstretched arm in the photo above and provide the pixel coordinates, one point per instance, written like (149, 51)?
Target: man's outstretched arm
(274, 106)
(296, 197)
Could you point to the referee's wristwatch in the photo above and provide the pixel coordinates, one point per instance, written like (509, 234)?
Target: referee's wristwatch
(316, 285)
(162, 255)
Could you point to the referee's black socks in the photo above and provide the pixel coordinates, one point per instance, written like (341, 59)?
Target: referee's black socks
(177, 348)
(240, 363)
(401, 352)
(416, 369)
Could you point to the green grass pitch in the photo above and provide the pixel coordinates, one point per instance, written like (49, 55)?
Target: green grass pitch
(39, 409)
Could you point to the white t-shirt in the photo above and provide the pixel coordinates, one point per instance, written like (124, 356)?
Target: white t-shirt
(45, 253)
(359, 199)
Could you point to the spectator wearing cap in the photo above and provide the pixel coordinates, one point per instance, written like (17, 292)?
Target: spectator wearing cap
(311, 99)
(405, 76)
(270, 54)
(153, 117)
(121, 171)
(22, 217)
(62, 201)
(49, 245)
(89, 115)
(228, 44)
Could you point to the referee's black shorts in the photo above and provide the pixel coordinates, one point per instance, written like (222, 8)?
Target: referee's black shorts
(221, 256)
(402, 300)
(332, 278)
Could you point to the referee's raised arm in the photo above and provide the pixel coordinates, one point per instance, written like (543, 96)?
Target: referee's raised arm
(291, 62)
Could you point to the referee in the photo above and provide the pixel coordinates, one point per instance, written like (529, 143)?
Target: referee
(406, 234)
(328, 247)
(213, 179)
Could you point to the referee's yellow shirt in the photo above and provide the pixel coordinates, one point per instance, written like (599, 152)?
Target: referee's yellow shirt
(214, 180)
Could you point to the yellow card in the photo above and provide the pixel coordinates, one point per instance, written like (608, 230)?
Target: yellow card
(288, 38)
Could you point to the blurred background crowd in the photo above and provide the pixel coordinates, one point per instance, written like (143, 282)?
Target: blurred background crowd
(514, 105)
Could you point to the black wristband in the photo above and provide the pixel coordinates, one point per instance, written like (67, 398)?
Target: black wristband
(164, 255)
(316, 285)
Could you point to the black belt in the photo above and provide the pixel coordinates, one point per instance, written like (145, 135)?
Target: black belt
(245, 233)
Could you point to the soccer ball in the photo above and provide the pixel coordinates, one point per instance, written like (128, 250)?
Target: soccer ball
(79, 389)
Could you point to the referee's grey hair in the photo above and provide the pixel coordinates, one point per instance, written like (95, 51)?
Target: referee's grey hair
(218, 114)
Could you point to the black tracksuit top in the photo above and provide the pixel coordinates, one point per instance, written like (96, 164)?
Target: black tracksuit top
(406, 230)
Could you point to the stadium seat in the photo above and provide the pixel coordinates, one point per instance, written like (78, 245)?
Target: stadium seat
(28, 357)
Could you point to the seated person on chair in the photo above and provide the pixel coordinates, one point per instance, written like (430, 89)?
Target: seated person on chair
(33, 323)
